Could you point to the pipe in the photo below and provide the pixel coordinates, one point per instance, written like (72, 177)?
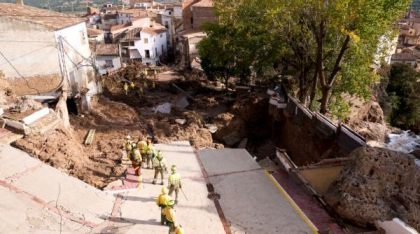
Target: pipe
(20, 2)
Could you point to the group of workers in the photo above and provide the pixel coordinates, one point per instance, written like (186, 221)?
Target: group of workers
(142, 154)
(143, 75)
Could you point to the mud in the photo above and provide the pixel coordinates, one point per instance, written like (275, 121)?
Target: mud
(97, 164)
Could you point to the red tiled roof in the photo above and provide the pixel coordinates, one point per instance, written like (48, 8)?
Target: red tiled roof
(94, 32)
(153, 31)
(107, 49)
(120, 26)
(50, 19)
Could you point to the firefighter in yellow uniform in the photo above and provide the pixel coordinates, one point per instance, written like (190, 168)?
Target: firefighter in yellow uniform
(162, 201)
(174, 183)
(150, 152)
(179, 230)
(142, 145)
(126, 88)
(136, 159)
(159, 164)
(170, 216)
(128, 146)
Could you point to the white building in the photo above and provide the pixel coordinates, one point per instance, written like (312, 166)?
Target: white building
(145, 44)
(108, 58)
(95, 35)
(166, 19)
(130, 15)
(152, 45)
(141, 3)
(41, 49)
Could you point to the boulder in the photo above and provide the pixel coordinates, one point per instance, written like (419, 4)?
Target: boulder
(377, 184)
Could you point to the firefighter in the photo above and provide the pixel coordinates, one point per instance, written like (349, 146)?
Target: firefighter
(162, 202)
(128, 146)
(136, 159)
(174, 183)
(150, 152)
(142, 145)
(126, 88)
(170, 216)
(159, 164)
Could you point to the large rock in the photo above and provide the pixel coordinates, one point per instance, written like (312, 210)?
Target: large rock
(368, 120)
(377, 184)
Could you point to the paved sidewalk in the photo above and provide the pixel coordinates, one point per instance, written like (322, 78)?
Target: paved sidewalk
(250, 200)
(35, 197)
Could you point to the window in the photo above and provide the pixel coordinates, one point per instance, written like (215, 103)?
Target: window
(147, 54)
(161, 35)
(162, 49)
(131, 43)
(82, 37)
(192, 22)
(170, 13)
(146, 40)
(166, 24)
(108, 63)
(156, 54)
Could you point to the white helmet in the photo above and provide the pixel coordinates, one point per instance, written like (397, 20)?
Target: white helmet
(128, 137)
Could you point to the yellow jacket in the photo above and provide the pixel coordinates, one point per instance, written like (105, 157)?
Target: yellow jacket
(141, 145)
(159, 164)
(128, 145)
(180, 230)
(170, 215)
(150, 149)
(163, 200)
(137, 155)
(174, 179)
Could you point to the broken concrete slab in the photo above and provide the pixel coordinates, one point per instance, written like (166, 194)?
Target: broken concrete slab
(180, 121)
(232, 138)
(182, 103)
(21, 215)
(163, 108)
(264, 210)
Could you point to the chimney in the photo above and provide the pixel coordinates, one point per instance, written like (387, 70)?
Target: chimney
(19, 2)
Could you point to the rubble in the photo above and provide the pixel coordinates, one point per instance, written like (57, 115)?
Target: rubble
(377, 184)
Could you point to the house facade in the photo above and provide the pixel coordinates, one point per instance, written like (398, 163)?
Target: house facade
(153, 45)
(43, 48)
(108, 58)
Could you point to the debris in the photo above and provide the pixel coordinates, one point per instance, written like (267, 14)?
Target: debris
(180, 121)
(243, 143)
(164, 108)
(90, 137)
(182, 91)
(232, 138)
(182, 103)
(211, 127)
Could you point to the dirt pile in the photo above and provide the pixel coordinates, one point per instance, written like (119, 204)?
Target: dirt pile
(97, 164)
(377, 184)
(61, 149)
(165, 129)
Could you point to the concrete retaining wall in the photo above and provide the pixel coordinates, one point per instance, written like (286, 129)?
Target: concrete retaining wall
(310, 137)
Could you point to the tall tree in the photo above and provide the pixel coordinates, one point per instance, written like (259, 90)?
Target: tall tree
(329, 45)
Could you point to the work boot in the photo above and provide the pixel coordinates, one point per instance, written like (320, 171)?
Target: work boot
(162, 183)
(154, 182)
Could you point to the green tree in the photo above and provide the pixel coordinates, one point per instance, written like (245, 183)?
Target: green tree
(404, 95)
(329, 45)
